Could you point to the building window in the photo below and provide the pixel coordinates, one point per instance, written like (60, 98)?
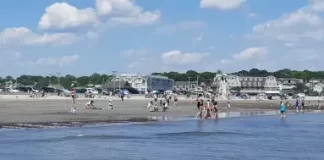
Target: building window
(244, 83)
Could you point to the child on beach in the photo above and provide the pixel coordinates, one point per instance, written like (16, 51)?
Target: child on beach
(282, 110)
(166, 105)
(110, 104)
(89, 105)
(73, 110)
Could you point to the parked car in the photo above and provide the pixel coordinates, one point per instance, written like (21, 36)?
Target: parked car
(28, 89)
(91, 90)
(64, 92)
(12, 90)
(49, 89)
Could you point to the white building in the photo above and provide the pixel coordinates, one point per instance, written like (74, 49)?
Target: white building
(318, 87)
(144, 83)
(188, 86)
(253, 85)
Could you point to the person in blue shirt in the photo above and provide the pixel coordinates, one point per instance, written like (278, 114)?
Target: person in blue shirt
(282, 110)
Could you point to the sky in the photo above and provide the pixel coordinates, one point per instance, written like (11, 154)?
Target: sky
(144, 36)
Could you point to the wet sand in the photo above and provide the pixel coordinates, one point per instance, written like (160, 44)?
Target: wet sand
(48, 112)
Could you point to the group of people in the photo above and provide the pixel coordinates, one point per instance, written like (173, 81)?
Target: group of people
(90, 105)
(208, 110)
(164, 102)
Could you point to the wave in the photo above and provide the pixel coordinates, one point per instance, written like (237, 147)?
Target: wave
(74, 138)
(201, 133)
(88, 137)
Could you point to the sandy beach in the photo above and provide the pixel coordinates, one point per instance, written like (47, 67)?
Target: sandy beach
(47, 111)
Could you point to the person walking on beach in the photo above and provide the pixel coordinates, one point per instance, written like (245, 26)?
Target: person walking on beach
(282, 110)
(228, 105)
(175, 97)
(122, 95)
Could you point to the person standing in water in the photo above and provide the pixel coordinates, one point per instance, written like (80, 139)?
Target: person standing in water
(215, 109)
(297, 104)
(282, 110)
(199, 106)
(208, 108)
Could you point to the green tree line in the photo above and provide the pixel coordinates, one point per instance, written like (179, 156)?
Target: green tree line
(205, 77)
(64, 81)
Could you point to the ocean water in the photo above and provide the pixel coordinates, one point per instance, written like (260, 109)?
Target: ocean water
(299, 136)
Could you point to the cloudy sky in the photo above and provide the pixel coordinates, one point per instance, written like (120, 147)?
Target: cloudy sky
(129, 36)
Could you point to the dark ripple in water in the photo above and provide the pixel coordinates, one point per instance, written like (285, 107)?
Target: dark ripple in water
(201, 134)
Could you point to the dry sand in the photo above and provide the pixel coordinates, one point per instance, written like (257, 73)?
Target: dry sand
(50, 112)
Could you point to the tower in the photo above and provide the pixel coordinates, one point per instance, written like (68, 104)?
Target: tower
(221, 85)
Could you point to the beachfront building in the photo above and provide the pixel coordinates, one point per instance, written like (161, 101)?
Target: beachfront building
(287, 85)
(224, 84)
(146, 83)
(185, 86)
(289, 81)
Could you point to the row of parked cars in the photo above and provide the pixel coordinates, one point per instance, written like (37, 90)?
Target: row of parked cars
(16, 90)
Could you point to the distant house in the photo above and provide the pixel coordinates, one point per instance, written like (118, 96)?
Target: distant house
(289, 81)
(116, 85)
(185, 86)
(318, 87)
(144, 83)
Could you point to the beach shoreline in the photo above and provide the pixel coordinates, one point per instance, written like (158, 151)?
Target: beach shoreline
(37, 113)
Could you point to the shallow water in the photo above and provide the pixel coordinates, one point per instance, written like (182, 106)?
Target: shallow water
(297, 137)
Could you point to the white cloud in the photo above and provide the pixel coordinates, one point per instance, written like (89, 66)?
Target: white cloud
(225, 61)
(24, 36)
(180, 27)
(251, 53)
(135, 52)
(92, 35)
(200, 37)
(317, 5)
(292, 27)
(118, 7)
(126, 12)
(221, 4)
(134, 64)
(63, 16)
(59, 61)
(251, 15)
(177, 57)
